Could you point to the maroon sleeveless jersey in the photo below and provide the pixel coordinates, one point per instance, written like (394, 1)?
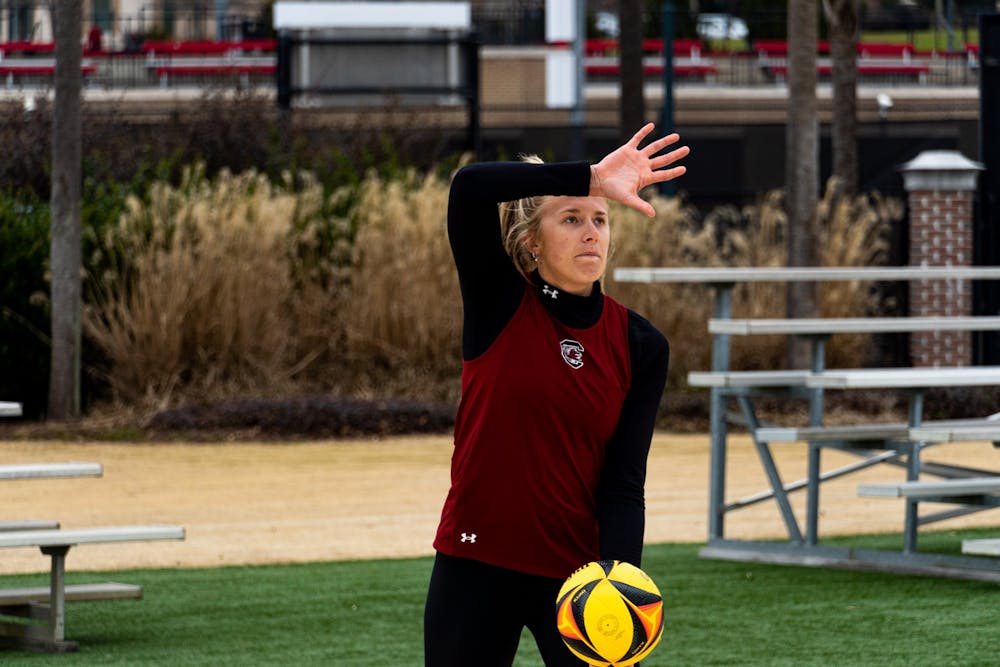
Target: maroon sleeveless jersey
(537, 411)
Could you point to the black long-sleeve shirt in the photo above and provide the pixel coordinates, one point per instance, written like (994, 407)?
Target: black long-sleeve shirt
(492, 289)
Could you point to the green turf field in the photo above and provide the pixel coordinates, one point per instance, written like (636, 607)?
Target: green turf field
(369, 614)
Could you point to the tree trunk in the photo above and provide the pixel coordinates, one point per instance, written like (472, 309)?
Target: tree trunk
(842, 16)
(632, 102)
(801, 166)
(65, 252)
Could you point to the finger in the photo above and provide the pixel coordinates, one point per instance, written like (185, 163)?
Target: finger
(671, 157)
(661, 143)
(640, 204)
(640, 135)
(668, 174)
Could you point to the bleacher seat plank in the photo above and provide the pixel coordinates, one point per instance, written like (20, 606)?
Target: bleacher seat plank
(982, 547)
(986, 429)
(756, 379)
(73, 593)
(886, 431)
(857, 432)
(10, 409)
(833, 325)
(917, 488)
(50, 470)
(75, 536)
(6, 526)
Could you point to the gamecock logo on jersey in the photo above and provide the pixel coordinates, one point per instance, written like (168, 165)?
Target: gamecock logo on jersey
(572, 353)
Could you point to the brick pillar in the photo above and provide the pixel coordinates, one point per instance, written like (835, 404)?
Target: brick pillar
(940, 187)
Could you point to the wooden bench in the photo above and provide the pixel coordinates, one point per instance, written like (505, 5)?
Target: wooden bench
(43, 627)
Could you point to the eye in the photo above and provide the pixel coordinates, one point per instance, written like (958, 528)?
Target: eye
(571, 219)
(600, 220)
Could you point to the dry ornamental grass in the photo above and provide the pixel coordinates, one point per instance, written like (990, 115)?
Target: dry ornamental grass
(240, 287)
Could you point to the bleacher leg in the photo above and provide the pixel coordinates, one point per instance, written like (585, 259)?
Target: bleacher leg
(55, 634)
(717, 419)
(913, 473)
(818, 345)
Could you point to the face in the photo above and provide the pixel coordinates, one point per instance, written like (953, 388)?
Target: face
(572, 242)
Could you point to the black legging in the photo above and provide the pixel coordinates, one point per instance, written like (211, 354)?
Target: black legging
(475, 613)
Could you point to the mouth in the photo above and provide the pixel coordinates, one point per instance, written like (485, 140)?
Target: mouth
(589, 255)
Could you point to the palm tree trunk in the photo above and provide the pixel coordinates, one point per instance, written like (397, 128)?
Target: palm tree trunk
(632, 102)
(842, 16)
(65, 251)
(801, 165)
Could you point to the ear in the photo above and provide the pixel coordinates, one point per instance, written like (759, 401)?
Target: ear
(530, 244)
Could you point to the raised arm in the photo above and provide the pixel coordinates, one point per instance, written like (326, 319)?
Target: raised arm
(491, 286)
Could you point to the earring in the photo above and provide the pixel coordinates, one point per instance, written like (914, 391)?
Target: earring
(534, 258)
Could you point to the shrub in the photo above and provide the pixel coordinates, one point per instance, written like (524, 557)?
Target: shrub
(402, 315)
(204, 302)
(240, 286)
(24, 315)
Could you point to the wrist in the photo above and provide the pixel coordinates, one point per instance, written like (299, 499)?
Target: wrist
(595, 182)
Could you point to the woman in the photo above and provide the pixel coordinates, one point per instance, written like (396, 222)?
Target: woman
(560, 387)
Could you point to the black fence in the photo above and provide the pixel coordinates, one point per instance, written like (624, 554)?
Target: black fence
(517, 22)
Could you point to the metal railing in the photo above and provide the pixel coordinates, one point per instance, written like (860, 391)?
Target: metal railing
(118, 53)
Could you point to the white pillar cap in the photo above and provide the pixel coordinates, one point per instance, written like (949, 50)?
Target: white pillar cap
(940, 170)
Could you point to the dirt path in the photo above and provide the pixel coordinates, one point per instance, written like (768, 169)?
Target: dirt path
(271, 503)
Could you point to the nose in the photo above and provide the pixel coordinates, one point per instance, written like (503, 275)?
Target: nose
(590, 231)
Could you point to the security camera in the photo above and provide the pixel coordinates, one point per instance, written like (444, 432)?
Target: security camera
(884, 104)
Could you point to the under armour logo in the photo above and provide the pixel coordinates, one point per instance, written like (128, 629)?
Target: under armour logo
(469, 537)
(548, 291)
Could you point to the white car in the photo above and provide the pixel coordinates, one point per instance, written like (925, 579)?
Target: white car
(721, 26)
(607, 23)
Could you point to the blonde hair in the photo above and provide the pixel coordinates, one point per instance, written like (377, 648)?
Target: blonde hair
(520, 221)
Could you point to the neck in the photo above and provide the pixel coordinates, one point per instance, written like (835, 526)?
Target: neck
(583, 289)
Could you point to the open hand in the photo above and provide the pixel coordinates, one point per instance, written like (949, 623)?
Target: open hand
(621, 174)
